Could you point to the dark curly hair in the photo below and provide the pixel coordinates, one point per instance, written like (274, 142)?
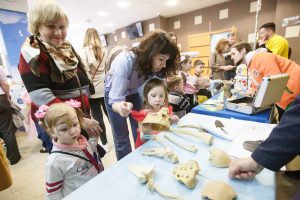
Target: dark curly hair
(157, 42)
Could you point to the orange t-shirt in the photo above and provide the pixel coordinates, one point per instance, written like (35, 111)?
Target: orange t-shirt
(267, 64)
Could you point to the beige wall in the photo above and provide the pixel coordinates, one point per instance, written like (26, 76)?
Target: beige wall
(239, 16)
(284, 9)
(128, 42)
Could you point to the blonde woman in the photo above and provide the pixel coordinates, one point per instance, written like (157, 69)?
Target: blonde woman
(50, 68)
(217, 60)
(93, 56)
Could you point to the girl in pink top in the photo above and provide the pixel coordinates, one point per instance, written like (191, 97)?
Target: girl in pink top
(189, 82)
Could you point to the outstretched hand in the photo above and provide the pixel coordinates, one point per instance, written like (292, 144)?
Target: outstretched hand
(245, 168)
(227, 67)
(124, 108)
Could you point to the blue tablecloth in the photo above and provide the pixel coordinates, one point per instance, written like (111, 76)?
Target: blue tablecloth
(117, 182)
(262, 117)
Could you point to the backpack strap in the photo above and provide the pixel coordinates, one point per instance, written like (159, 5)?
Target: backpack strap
(72, 154)
(112, 55)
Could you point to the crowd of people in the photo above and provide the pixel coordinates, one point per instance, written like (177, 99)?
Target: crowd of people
(69, 91)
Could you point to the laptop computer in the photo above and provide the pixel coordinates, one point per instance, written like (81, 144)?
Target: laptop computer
(270, 91)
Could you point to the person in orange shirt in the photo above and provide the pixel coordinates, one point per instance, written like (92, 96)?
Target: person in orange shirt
(261, 63)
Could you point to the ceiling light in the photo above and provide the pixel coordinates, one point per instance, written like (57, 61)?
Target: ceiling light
(123, 4)
(109, 24)
(172, 3)
(102, 13)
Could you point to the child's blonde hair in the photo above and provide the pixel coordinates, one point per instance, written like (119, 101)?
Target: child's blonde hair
(92, 38)
(58, 110)
(172, 81)
(155, 82)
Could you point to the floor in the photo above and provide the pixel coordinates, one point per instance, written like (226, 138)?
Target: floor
(28, 174)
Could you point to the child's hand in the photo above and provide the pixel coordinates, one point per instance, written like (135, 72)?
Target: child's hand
(251, 92)
(174, 119)
(125, 108)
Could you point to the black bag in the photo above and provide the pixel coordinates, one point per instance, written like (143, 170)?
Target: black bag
(91, 88)
(4, 103)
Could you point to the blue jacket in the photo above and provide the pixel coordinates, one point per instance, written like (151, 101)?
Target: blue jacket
(283, 144)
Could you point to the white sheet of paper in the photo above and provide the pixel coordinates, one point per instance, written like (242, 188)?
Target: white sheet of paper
(151, 27)
(177, 25)
(253, 6)
(292, 31)
(135, 44)
(248, 131)
(223, 14)
(198, 20)
(123, 34)
(251, 37)
(208, 123)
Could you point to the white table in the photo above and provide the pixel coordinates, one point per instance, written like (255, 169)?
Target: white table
(118, 183)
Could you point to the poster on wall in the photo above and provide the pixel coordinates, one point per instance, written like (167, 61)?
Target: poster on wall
(13, 32)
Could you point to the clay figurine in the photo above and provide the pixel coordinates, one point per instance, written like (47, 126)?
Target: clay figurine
(219, 158)
(186, 173)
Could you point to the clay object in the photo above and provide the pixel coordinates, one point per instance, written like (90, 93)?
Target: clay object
(251, 145)
(207, 138)
(196, 126)
(191, 148)
(218, 190)
(186, 173)
(219, 158)
(165, 153)
(159, 121)
(144, 174)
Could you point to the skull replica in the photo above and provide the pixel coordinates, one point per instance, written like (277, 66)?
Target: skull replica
(159, 121)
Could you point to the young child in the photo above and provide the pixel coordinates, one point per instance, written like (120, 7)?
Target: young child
(201, 82)
(73, 160)
(177, 99)
(155, 98)
(189, 85)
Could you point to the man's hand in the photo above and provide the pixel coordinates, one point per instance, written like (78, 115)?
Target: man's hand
(245, 168)
(262, 40)
(123, 108)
